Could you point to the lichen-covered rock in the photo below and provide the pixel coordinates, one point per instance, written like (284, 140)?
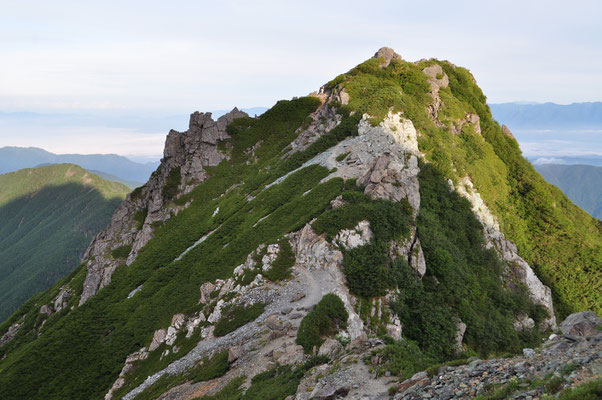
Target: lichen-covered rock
(46, 310)
(460, 330)
(330, 348)
(270, 256)
(10, 333)
(523, 322)
(437, 79)
(410, 249)
(507, 131)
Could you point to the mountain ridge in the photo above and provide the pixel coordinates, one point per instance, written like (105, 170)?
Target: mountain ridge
(48, 215)
(393, 190)
(16, 158)
(586, 115)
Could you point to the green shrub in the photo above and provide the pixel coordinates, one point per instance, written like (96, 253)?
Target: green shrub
(237, 316)
(588, 391)
(121, 251)
(213, 367)
(170, 189)
(136, 193)
(367, 268)
(281, 267)
(280, 382)
(404, 359)
(325, 319)
(554, 385)
(463, 280)
(342, 156)
(140, 217)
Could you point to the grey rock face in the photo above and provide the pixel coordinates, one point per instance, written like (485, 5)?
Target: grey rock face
(324, 119)
(584, 323)
(388, 54)
(460, 330)
(190, 151)
(437, 80)
(62, 299)
(330, 348)
(10, 333)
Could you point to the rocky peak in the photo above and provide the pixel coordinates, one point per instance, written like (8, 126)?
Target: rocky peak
(388, 54)
(190, 151)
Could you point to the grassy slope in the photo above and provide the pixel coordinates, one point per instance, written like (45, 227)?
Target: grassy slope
(49, 215)
(558, 239)
(109, 326)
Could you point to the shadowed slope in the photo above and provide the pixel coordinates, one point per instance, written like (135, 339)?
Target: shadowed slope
(48, 216)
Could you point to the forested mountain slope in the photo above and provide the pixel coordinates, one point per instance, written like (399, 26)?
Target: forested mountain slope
(48, 215)
(384, 225)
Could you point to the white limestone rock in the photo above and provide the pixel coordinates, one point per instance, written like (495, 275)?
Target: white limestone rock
(360, 235)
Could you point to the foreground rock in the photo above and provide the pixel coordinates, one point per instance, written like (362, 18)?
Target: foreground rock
(569, 360)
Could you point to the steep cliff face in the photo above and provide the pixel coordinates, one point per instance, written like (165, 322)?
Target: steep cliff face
(183, 165)
(333, 247)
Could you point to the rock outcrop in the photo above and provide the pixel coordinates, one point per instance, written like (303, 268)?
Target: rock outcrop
(584, 323)
(437, 79)
(388, 54)
(570, 360)
(519, 269)
(187, 152)
(10, 333)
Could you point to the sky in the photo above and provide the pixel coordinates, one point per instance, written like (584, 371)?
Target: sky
(157, 58)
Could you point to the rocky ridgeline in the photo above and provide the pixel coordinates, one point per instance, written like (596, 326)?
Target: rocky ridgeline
(563, 361)
(132, 224)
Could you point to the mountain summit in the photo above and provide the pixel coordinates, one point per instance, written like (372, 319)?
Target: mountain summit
(336, 246)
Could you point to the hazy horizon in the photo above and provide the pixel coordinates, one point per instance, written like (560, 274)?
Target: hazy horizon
(120, 75)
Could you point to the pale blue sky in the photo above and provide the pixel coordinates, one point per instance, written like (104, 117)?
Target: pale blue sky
(179, 56)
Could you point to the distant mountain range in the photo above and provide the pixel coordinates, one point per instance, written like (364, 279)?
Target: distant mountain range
(581, 183)
(16, 158)
(48, 215)
(549, 115)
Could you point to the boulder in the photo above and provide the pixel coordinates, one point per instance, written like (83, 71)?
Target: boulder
(276, 324)
(388, 54)
(234, 353)
(158, 338)
(46, 310)
(330, 348)
(394, 328)
(583, 323)
(206, 289)
(360, 235)
(62, 299)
